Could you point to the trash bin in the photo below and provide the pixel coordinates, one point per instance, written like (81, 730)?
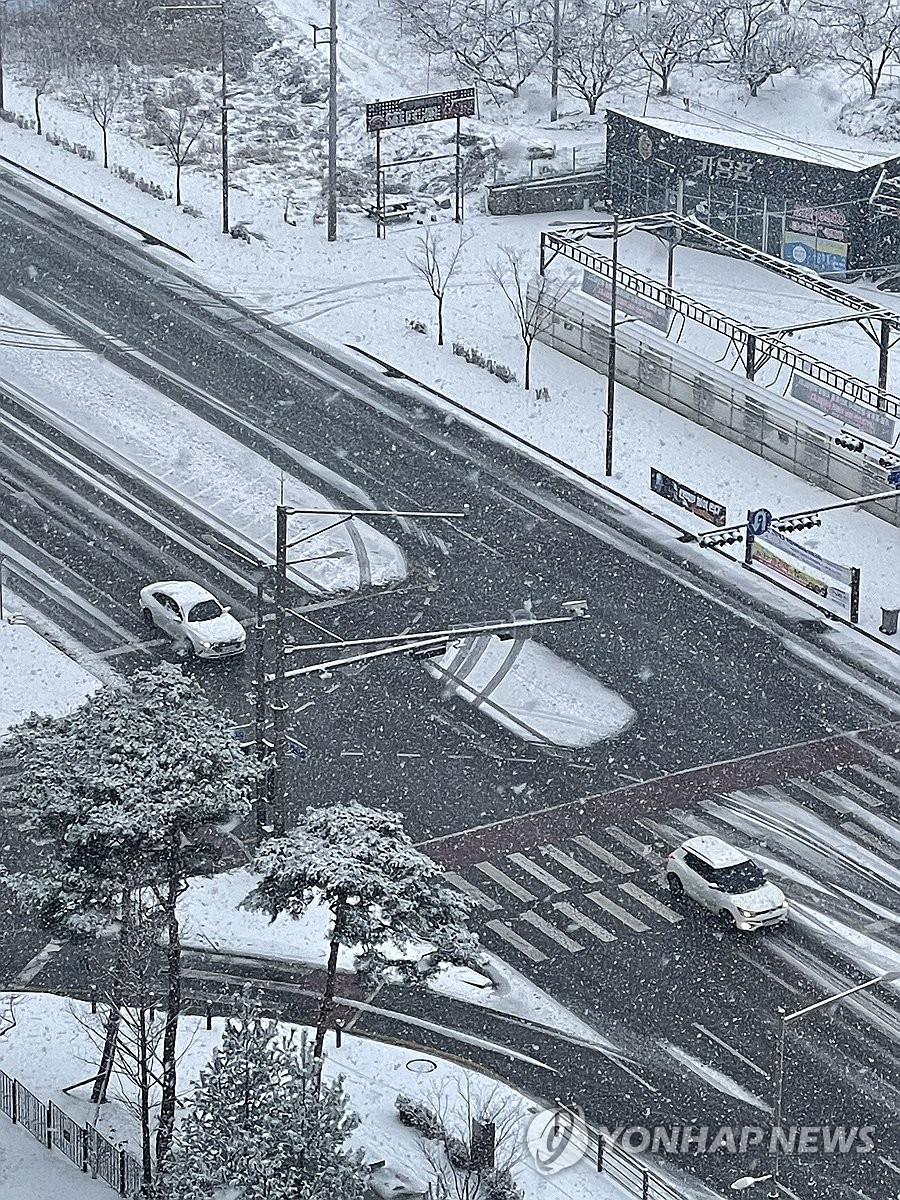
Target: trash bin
(889, 620)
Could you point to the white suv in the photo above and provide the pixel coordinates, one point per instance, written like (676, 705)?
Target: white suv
(193, 617)
(724, 879)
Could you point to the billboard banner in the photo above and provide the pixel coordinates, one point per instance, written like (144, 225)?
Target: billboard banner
(861, 417)
(419, 110)
(645, 310)
(829, 580)
(685, 497)
(816, 238)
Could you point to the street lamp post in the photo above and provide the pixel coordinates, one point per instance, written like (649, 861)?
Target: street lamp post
(785, 1019)
(611, 363)
(332, 28)
(221, 7)
(554, 64)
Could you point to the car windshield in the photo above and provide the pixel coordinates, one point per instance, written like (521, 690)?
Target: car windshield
(206, 610)
(742, 877)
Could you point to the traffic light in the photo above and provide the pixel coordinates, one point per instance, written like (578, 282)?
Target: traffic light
(848, 442)
(796, 524)
(712, 541)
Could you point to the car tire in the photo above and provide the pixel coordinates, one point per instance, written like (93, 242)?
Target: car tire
(148, 616)
(676, 887)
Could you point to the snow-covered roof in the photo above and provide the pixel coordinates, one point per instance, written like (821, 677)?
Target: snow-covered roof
(714, 851)
(711, 129)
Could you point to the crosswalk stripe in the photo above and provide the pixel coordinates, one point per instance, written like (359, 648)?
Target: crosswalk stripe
(510, 936)
(552, 932)
(650, 902)
(632, 843)
(577, 917)
(864, 835)
(571, 864)
(853, 790)
(470, 890)
(501, 877)
(605, 856)
(887, 784)
(889, 760)
(555, 885)
(618, 912)
(807, 786)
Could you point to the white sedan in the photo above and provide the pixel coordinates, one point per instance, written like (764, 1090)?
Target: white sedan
(191, 615)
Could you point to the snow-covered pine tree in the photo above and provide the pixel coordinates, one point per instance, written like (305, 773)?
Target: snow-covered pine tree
(385, 896)
(122, 793)
(259, 1123)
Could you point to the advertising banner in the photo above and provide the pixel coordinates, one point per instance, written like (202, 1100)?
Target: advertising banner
(627, 303)
(419, 110)
(685, 497)
(861, 417)
(829, 580)
(816, 238)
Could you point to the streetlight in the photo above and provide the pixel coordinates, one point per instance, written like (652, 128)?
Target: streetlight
(221, 6)
(332, 114)
(784, 1019)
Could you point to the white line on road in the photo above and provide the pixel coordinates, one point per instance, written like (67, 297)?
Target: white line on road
(632, 843)
(620, 914)
(651, 902)
(571, 864)
(889, 1163)
(33, 968)
(470, 890)
(731, 1050)
(510, 936)
(577, 917)
(788, 987)
(605, 856)
(505, 881)
(879, 780)
(552, 932)
(555, 885)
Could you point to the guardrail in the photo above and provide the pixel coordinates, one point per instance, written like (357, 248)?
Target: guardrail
(83, 1145)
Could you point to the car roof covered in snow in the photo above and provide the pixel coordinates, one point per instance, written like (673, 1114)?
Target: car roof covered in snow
(183, 591)
(714, 851)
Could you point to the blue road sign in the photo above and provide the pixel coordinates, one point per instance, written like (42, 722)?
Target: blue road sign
(759, 521)
(894, 477)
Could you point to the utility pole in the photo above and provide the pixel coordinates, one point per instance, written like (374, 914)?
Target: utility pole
(226, 223)
(332, 28)
(2, 37)
(611, 364)
(279, 706)
(554, 64)
(260, 575)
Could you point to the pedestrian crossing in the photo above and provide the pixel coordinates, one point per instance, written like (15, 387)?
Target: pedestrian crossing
(586, 893)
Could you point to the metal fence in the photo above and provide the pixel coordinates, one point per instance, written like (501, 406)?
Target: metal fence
(82, 1145)
(559, 193)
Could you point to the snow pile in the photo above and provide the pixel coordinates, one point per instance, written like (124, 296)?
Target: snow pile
(35, 676)
(531, 691)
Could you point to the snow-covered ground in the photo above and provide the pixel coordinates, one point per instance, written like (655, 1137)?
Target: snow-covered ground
(35, 674)
(49, 1049)
(29, 1171)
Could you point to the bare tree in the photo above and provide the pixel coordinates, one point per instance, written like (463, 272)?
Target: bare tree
(176, 117)
(868, 36)
(663, 36)
(534, 308)
(436, 262)
(98, 93)
(596, 50)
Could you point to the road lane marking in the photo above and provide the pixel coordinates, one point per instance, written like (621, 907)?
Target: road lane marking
(788, 987)
(887, 784)
(619, 913)
(34, 967)
(555, 885)
(853, 790)
(731, 1050)
(889, 1163)
(510, 936)
(571, 864)
(470, 890)
(805, 785)
(632, 843)
(651, 902)
(505, 881)
(577, 917)
(552, 932)
(605, 856)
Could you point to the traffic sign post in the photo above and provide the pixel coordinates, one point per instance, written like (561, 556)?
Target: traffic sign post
(759, 521)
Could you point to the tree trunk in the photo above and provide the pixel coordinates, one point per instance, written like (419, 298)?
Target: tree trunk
(754, 88)
(105, 147)
(663, 80)
(166, 1125)
(37, 112)
(178, 183)
(114, 1020)
(526, 383)
(592, 105)
(144, 1089)
(327, 1004)
(440, 306)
